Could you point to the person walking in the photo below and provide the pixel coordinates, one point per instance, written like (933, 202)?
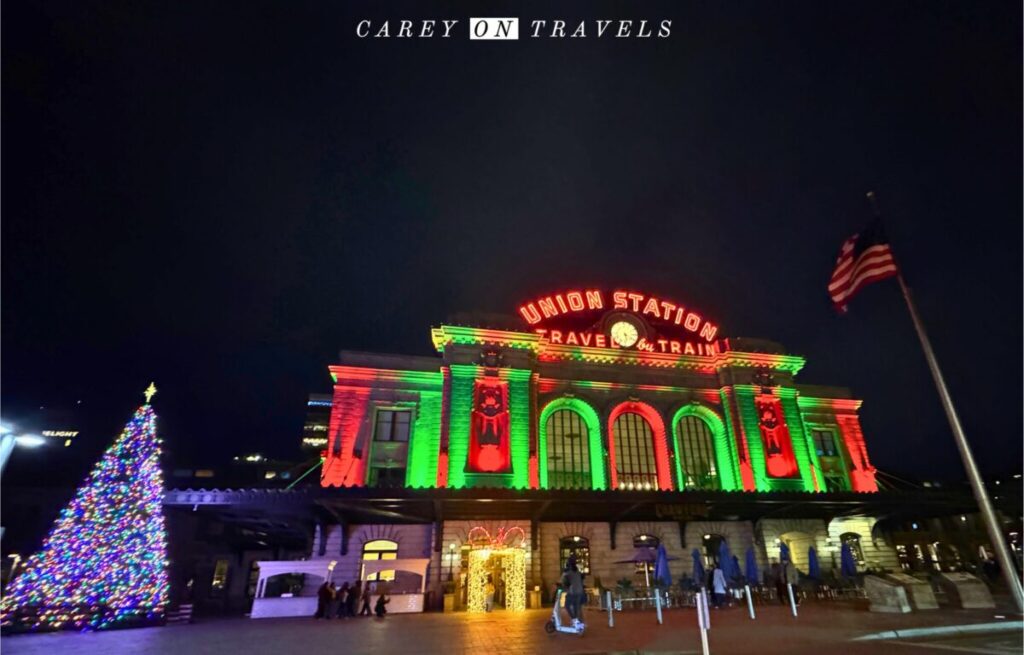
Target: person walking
(489, 590)
(341, 602)
(379, 608)
(365, 610)
(332, 602)
(353, 597)
(323, 598)
(718, 585)
(780, 583)
(572, 584)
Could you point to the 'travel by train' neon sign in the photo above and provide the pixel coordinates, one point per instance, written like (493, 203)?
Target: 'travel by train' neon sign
(649, 307)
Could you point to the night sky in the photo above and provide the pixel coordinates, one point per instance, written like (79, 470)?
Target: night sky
(220, 196)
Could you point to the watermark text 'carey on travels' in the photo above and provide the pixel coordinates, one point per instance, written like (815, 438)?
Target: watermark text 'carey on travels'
(507, 29)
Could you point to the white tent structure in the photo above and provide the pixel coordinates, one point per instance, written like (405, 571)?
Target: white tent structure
(304, 604)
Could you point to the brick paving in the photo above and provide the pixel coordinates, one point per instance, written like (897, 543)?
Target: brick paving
(818, 628)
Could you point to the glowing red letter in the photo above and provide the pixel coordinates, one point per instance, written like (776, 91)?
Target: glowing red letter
(530, 313)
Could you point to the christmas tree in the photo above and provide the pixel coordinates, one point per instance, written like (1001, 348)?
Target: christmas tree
(104, 563)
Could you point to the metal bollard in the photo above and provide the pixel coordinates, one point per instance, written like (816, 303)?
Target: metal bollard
(703, 619)
(792, 599)
(657, 604)
(750, 601)
(611, 610)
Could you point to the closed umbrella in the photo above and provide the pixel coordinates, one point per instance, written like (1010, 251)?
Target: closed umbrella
(847, 565)
(725, 560)
(752, 574)
(783, 553)
(661, 572)
(813, 569)
(698, 568)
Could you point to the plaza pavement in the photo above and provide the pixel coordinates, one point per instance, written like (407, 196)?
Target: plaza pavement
(820, 628)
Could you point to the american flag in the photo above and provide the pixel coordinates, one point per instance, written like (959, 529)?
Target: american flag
(864, 258)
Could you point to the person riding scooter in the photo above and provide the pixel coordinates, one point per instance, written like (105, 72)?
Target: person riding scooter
(572, 583)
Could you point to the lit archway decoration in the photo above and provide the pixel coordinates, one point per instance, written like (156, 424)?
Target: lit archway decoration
(653, 418)
(593, 423)
(505, 550)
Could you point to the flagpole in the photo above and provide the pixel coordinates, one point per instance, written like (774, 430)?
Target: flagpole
(988, 513)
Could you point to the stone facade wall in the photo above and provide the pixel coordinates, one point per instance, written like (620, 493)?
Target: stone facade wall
(414, 542)
(802, 533)
(878, 554)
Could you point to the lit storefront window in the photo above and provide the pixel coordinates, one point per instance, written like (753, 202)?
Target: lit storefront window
(574, 546)
(376, 550)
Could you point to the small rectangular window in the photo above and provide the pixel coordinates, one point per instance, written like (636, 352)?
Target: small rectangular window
(392, 425)
(824, 443)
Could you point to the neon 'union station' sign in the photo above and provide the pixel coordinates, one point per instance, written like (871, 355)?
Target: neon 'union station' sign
(620, 319)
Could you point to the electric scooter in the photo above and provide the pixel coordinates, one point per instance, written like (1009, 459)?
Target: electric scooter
(555, 624)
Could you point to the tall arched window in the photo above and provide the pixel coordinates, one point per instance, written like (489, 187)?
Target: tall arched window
(575, 546)
(568, 450)
(379, 549)
(696, 454)
(635, 462)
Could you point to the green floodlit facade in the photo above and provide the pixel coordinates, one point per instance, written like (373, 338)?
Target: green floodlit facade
(512, 409)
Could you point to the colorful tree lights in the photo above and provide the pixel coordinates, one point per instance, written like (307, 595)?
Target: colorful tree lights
(104, 563)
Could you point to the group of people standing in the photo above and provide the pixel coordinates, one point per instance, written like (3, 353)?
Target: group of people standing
(340, 602)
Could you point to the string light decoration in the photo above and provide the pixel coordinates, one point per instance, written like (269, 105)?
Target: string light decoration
(505, 552)
(104, 563)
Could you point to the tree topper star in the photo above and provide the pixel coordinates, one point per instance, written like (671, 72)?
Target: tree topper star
(149, 392)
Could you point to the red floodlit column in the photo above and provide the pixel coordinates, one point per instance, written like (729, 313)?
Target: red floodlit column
(862, 473)
(653, 418)
(345, 464)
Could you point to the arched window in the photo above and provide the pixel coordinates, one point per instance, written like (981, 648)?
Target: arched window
(568, 450)
(635, 462)
(575, 546)
(712, 549)
(379, 549)
(852, 539)
(696, 454)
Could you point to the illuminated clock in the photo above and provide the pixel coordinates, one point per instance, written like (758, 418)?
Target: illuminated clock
(624, 333)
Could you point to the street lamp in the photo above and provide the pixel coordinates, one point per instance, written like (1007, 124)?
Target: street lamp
(8, 440)
(451, 560)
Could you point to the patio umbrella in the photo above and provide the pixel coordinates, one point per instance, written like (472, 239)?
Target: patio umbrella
(752, 574)
(813, 569)
(847, 566)
(783, 553)
(661, 572)
(698, 568)
(725, 560)
(645, 556)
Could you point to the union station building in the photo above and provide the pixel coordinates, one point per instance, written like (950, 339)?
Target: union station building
(602, 424)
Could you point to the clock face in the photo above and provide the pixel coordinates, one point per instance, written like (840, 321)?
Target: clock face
(624, 333)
